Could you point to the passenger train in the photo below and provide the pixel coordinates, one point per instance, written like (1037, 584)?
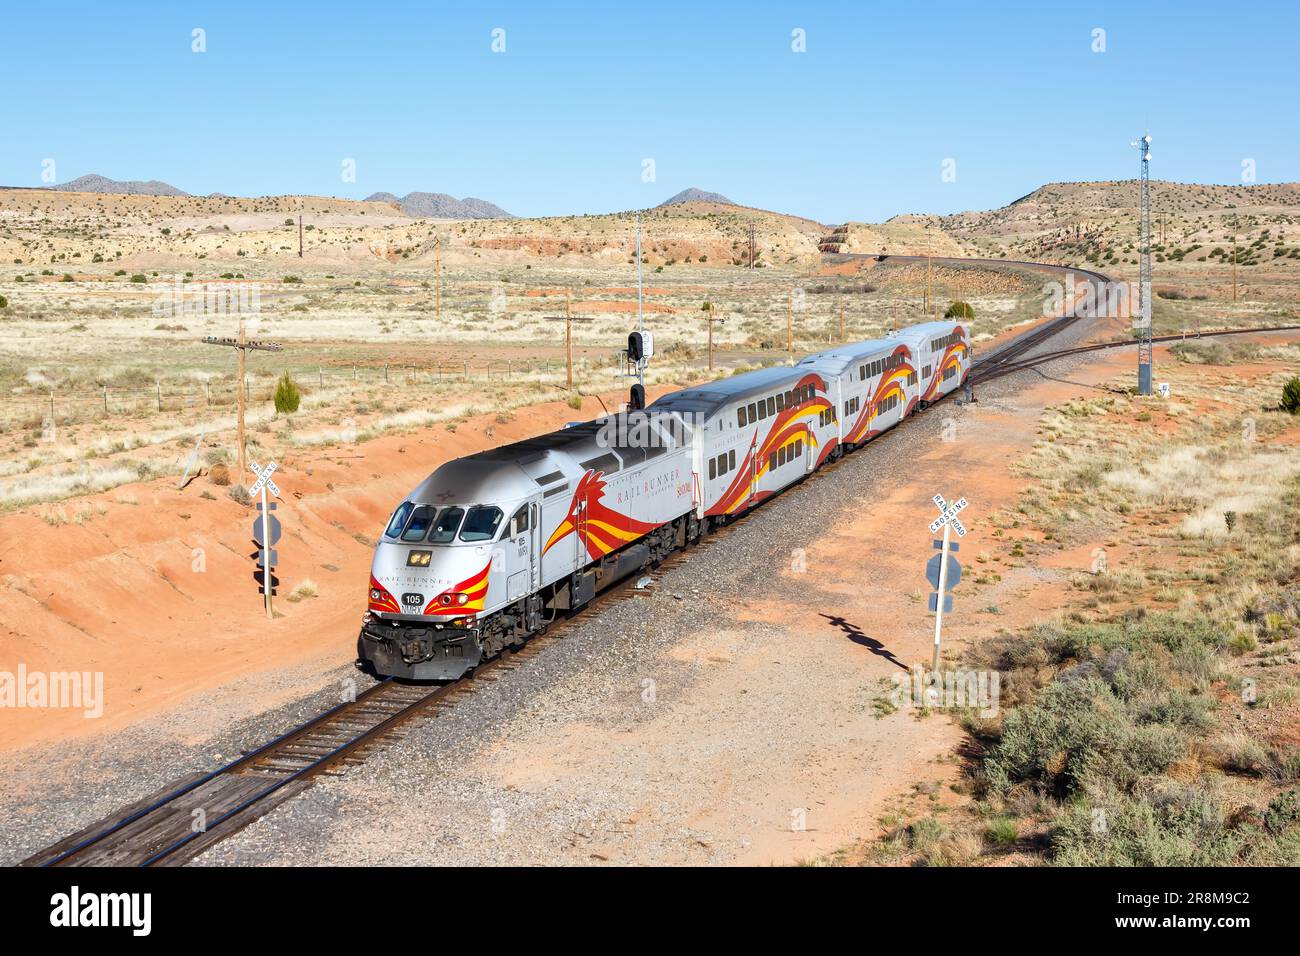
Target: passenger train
(492, 547)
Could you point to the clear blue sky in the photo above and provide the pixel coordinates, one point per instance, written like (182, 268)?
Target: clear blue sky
(855, 128)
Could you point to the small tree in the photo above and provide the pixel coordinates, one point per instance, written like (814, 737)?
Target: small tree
(287, 396)
(4, 303)
(1291, 396)
(960, 310)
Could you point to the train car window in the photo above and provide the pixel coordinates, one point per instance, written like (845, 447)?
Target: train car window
(731, 460)
(762, 410)
(926, 371)
(771, 461)
(780, 401)
(519, 523)
(741, 418)
(771, 405)
(713, 468)
(418, 526)
(798, 446)
(480, 523)
(753, 413)
(780, 456)
(606, 464)
(444, 529)
(398, 521)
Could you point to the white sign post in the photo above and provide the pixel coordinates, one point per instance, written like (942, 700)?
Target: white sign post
(947, 520)
(261, 485)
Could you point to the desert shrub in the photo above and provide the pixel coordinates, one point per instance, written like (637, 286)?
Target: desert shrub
(959, 310)
(4, 303)
(291, 279)
(287, 396)
(239, 494)
(219, 474)
(138, 278)
(1291, 396)
(574, 401)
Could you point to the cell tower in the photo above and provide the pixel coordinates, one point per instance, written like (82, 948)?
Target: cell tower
(1145, 347)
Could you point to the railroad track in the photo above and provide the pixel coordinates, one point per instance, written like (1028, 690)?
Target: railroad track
(176, 824)
(1016, 364)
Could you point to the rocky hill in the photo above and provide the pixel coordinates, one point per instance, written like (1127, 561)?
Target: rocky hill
(442, 206)
(94, 183)
(695, 195)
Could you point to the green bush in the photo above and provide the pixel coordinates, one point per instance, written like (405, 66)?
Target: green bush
(1291, 396)
(4, 303)
(139, 278)
(287, 396)
(959, 310)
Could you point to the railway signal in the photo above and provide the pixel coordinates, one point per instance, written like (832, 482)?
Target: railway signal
(943, 570)
(266, 531)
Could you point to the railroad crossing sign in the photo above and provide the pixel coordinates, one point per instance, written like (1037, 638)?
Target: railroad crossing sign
(266, 530)
(948, 515)
(943, 571)
(264, 478)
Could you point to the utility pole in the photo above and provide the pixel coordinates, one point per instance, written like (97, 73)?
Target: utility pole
(1146, 349)
(751, 245)
(568, 338)
(299, 235)
(437, 267)
(929, 282)
(789, 323)
(841, 323)
(1234, 267)
(242, 345)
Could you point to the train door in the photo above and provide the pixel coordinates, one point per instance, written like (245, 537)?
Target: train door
(519, 554)
(535, 543)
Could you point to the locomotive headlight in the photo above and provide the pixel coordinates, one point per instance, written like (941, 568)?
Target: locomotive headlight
(376, 594)
(453, 599)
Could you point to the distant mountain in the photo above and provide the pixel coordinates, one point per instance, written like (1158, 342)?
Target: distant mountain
(94, 183)
(442, 206)
(694, 195)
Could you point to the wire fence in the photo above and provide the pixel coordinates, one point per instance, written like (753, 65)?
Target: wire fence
(68, 404)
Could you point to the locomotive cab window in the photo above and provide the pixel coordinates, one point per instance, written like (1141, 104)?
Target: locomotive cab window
(480, 523)
(398, 521)
(444, 530)
(418, 526)
(519, 523)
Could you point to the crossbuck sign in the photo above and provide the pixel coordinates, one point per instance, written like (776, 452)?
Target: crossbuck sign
(947, 515)
(266, 539)
(264, 479)
(949, 522)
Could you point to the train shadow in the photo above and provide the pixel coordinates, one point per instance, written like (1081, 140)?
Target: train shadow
(858, 636)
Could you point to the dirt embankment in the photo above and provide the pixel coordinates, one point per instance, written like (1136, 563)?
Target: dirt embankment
(154, 586)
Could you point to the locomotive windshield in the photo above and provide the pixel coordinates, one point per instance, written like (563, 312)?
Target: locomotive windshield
(398, 521)
(445, 530)
(418, 526)
(481, 523)
(412, 523)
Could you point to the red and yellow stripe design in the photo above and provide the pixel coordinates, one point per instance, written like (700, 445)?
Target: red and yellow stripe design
(789, 425)
(951, 356)
(891, 384)
(599, 528)
(474, 587)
